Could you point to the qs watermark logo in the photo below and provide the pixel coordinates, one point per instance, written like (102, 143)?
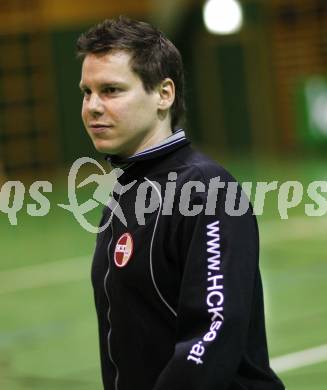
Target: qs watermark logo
(108, 184)
(148, 196)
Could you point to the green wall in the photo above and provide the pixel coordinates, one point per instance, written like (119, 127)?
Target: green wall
(230, 65)
(73, 138)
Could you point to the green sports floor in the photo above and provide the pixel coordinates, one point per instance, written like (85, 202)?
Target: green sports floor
(48, 330)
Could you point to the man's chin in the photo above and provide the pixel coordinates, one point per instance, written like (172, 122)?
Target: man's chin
(103, 147)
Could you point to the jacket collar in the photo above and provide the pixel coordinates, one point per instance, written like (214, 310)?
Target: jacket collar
(174, 141)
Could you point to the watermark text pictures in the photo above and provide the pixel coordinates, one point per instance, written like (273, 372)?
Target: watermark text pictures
(189, 199)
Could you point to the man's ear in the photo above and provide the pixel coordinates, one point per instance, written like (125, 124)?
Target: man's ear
(167, 94)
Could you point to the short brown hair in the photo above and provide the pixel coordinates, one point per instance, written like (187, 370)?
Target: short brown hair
(154, 56)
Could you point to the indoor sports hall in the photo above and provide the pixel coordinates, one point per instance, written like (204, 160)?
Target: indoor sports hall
(256, 94)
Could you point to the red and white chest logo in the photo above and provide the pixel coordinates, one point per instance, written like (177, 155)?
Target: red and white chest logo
(123, 250)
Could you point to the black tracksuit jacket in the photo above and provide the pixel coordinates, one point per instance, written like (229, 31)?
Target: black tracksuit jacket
(186, 311)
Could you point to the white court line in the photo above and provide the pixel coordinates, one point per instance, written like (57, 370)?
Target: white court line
(78, 268)
(299, 359)
(45, 274)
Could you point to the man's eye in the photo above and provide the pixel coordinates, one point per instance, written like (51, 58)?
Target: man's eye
(85, 92)
(111, 90)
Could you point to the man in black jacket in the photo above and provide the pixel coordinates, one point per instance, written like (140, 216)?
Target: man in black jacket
(176, 281)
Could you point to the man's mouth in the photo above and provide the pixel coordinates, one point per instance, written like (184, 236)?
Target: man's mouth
(99, 127)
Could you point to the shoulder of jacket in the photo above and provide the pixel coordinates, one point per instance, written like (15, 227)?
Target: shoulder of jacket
(198, 166)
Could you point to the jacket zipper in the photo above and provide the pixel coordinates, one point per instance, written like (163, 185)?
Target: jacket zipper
(107, 295)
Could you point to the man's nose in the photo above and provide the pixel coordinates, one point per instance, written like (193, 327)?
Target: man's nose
(95, 105)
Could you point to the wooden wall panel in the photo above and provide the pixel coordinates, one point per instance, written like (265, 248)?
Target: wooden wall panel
(298, 31)
(25, 15)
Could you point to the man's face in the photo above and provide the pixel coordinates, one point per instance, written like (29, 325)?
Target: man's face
(118, 114)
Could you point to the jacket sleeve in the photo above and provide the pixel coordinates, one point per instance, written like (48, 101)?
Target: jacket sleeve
(220, 263)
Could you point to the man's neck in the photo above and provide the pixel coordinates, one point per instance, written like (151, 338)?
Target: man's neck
(153, 139)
